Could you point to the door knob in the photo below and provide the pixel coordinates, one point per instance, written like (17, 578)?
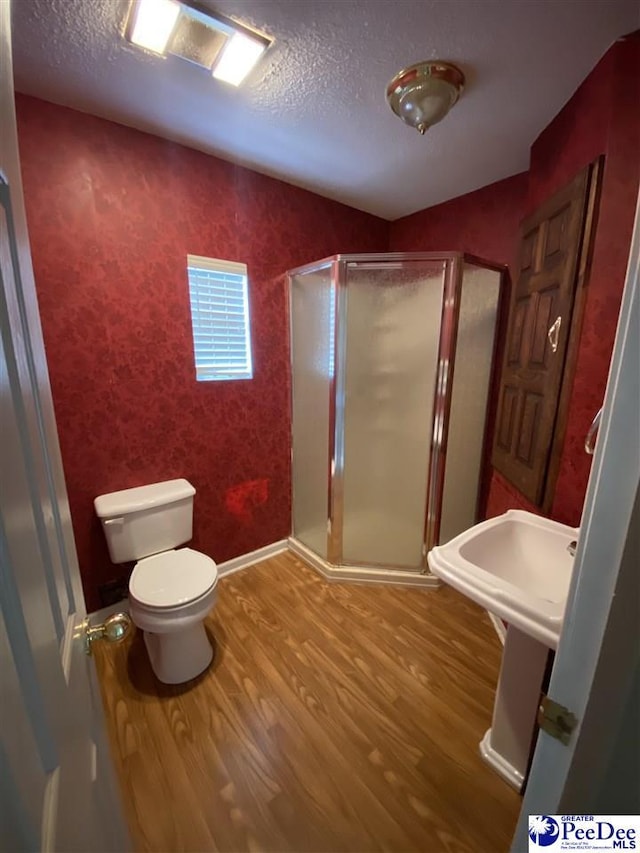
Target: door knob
(113, 629)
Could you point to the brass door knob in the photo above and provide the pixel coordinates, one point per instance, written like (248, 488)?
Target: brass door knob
(113, 629)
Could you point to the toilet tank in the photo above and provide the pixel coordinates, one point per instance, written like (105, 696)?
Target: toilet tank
(146, 520)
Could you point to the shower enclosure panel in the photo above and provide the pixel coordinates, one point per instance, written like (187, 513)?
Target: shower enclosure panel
(387, 438)
(473, 365)
(312, 319)
(392, 315)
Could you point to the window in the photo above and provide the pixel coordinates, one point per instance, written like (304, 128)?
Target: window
(220, 318)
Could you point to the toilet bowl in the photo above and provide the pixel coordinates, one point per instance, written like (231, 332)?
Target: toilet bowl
(171, 590)
(170, 595)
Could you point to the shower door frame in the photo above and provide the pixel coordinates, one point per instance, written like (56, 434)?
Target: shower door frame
(452, 287)
(335, 516)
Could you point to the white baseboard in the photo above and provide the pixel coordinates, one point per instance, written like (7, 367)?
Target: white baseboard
(499, 626)
(224, 569)
(246, 560)
(353, 574)
(364, 574)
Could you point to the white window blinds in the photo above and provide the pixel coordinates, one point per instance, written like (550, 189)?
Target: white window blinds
(220, 318)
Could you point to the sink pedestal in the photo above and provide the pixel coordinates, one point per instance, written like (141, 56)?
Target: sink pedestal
(518, 566)
(507, 744)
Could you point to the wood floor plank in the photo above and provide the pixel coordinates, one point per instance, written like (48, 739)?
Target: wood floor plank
(335, 717)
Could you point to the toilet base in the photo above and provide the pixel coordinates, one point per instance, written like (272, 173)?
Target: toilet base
(179, 656)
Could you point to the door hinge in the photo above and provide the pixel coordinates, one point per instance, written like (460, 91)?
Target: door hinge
(556, 720)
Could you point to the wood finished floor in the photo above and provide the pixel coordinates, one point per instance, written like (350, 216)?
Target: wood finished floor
(335, 717)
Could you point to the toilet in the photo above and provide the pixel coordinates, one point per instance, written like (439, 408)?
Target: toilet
(171, 589)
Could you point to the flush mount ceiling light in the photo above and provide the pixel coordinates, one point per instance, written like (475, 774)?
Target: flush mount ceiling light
(153, 23)
(239, 56)
(423, 94)
(227, 49)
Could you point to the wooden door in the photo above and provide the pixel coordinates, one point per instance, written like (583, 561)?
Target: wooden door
(56, 780)
(539, 326)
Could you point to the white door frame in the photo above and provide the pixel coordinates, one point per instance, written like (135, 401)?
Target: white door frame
(596, 669)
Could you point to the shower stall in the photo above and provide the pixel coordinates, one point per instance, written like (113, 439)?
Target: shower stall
(392, 358)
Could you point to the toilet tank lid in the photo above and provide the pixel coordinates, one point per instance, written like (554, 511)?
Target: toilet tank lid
(142, 497)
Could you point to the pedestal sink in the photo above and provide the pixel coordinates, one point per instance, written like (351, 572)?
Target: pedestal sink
(518, 566)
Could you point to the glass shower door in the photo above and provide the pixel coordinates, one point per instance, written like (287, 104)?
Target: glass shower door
(393, 315)
(312, 365)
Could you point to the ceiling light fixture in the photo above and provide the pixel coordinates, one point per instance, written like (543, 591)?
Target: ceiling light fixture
(423, 94)
(238, 57)
(226, 48)
(153, 23)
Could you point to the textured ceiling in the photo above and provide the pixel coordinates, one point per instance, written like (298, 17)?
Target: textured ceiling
(313, 112)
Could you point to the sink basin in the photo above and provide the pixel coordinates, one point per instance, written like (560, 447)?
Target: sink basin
(517, 566)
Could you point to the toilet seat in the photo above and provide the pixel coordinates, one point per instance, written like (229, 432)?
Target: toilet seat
(172, 578)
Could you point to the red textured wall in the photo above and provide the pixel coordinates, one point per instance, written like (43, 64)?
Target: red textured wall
(611, 251)
(112, 215)
(601, 118)
(484, 223)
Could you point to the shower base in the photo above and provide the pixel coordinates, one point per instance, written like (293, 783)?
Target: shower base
(362, 574)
